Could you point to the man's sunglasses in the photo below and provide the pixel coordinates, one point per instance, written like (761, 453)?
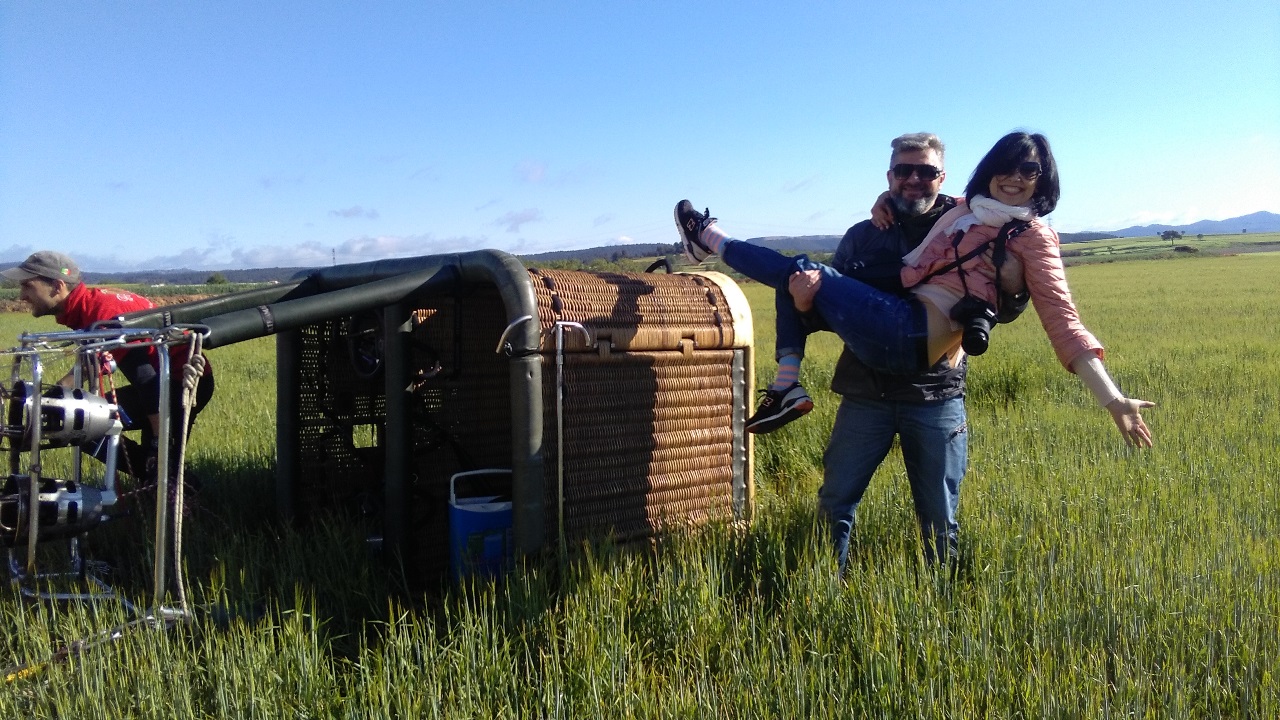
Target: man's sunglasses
(1029, 170)
(902, 171)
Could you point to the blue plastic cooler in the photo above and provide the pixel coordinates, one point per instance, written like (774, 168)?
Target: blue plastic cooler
(479, 527)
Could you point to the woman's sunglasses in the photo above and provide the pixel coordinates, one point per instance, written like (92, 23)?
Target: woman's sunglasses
(902, 171)
(1029, 170)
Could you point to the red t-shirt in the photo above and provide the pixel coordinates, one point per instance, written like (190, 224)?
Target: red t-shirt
(86, 306)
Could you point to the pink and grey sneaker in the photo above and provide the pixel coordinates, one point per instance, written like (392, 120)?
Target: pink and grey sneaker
(690, 222)
(779, 407)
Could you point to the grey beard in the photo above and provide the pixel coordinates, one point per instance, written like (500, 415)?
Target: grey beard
(912, 208)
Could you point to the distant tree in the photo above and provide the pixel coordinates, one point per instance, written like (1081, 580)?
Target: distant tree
(1244, 231)
(217, 279)
(1199, 236)
(1171, 235)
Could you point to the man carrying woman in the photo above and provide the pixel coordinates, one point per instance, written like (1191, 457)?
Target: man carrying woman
(905, 335)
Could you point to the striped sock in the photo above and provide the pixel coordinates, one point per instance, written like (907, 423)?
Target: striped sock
(713, 237)
(788, 372)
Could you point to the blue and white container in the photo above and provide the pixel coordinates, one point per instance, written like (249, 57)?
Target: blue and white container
(480, 543)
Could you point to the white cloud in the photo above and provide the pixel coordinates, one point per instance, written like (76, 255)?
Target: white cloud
(354, 250)
(795, 185)
(537, 172)
(514, 219)
(426, 172)
(355, 211)
(308, 254)
(191, 258)
(532, 171)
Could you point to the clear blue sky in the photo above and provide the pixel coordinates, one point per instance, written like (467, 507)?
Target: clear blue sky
(251, 134)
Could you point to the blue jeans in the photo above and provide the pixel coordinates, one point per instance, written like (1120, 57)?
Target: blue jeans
(886, 332)
(934, 440)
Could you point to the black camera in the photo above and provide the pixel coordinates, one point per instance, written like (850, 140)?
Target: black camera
(976, 317)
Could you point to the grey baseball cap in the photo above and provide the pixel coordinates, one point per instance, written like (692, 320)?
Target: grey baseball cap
(49, 264)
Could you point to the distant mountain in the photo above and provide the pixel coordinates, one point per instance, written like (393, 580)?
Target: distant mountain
(800, 243)
(185, 276)
(1085, 236)
(1259, 222)
(1254, 223)
(611, 253)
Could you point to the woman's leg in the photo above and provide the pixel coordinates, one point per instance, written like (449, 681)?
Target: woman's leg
(785, 400)
(886, 332)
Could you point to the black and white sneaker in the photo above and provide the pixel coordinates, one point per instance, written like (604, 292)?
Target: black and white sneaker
(690, 222)
(779, 407)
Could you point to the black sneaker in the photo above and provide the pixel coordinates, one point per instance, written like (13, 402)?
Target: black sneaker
(779, 407)
(690, 223)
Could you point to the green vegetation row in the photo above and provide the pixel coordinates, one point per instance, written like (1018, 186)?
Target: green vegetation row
(1097, 582)
(160, 291)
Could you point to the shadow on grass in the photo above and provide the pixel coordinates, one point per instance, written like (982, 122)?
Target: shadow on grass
(243, 565)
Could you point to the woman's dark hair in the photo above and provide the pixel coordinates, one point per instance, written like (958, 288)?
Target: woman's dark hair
(1003, 159)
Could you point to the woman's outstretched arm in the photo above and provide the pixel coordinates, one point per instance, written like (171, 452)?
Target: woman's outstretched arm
(1126, 412)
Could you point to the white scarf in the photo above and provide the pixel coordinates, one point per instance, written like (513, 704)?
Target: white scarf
(992, 213)
(982, 211)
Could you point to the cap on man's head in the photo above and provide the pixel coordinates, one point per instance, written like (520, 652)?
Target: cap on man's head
(49, 264)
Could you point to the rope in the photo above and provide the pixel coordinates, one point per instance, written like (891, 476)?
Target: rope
(107, 389)
(192, 371)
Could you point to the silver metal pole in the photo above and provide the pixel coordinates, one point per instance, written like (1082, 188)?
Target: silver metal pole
(77, 455)
(560, 326)
(33, 471)
(162, 478)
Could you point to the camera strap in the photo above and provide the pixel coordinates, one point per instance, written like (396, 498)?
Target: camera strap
(1009, 231)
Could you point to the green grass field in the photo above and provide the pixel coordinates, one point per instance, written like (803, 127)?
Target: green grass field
(1099, 581)
(1155, 248)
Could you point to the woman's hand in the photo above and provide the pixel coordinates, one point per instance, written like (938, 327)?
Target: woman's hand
(882, 212)
(803, 286)
(1125, 412)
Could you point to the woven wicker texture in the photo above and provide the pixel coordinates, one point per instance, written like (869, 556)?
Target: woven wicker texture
(649, 408)
(648, 440)
(634, 311)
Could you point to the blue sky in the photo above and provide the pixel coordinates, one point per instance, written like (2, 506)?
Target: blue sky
(255, 134)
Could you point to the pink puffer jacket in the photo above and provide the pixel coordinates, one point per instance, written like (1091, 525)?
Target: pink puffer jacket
(1037, 248)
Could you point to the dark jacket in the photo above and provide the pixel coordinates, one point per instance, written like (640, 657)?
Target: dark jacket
(875, 257)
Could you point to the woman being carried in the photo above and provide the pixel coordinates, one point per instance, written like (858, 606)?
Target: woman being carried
(953, 268)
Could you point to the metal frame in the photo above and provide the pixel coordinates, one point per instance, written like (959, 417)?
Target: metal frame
(88, 346)
(390, 287)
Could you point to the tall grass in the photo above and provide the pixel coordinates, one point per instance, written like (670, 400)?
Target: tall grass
(1099, 581)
